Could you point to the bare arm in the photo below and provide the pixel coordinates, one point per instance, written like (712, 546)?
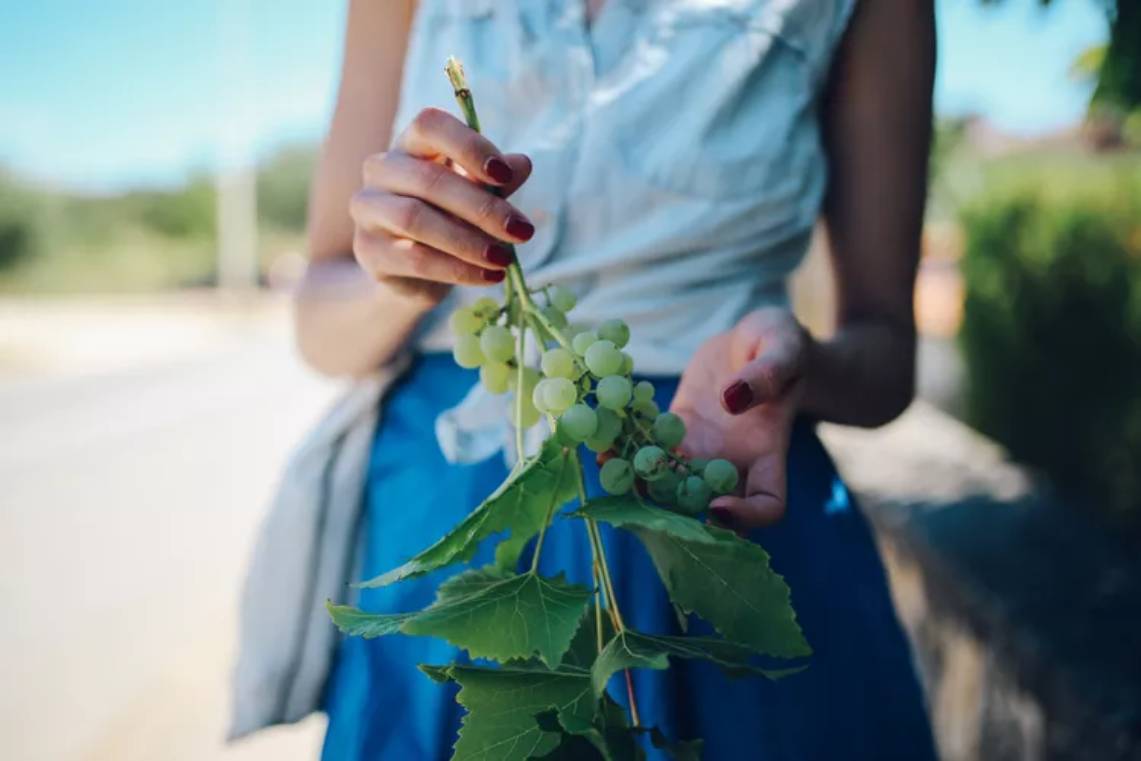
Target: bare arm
(877, 132)
(768, 369)
(347, 323)
(416, 219)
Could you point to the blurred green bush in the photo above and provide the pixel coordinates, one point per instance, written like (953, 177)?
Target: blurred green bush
(20, 228)
(55, 241)
(283, 190)
(1052, 331)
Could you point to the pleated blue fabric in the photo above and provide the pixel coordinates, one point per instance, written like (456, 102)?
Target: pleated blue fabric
(858, 699)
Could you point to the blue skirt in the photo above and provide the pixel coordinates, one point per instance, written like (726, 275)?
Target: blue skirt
(858, 699)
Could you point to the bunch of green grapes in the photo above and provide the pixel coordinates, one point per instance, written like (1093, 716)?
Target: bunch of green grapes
(586, 389)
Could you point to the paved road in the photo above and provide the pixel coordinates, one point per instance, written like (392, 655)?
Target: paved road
(139, 442)
(133, 473)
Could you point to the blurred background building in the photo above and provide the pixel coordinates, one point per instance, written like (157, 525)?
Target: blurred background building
(154, 161)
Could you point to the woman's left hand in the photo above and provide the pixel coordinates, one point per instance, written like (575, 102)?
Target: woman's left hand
(739, 397)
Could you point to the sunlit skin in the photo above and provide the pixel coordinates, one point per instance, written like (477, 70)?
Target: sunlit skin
(774, 347)
(391, 231)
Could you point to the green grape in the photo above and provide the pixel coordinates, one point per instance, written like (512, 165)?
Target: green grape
(530, 414)
(530, 378)
(562, 298)
(579, 422)
(651, 463)
(555, 316)
(485, 307)
(583, 341)
(602, 358)
(669, 429)
(538, 400)
(467, 352)
(613, 391)
(598, 445)
(646, 409)
(616, 476)
(615, 331)
(495, 376)
(557, 395)
(664, 490)
(562, 436)
(464, 321)
(693, 495)
(627, 364)
(497, 343)
(721, 476)
(609, 425)
(644, 391)
(558, 363)
(697, 465)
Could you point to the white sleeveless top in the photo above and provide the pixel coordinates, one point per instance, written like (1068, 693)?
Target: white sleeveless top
(678, 165)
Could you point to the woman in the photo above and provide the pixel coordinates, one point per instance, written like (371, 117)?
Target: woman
(666, 160)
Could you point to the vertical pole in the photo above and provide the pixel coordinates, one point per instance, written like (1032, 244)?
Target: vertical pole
(236, 173)
(237, 231)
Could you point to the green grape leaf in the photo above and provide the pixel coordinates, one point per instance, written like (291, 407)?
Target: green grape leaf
(607, 738)
(721, 577)
(517, 617)
(678, 750)
(634, 650)
(630, 512)
(574, 748)
(611, 738)
(520, 505)
(584, 649)
(504, 705)
(357, 623)
(622, 745)
(469, 582)
(490, 616)
(612, 734)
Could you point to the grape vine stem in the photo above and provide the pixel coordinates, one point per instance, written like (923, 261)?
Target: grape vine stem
(517, 288)
(520, 348)
(602, 569)
(547, 522)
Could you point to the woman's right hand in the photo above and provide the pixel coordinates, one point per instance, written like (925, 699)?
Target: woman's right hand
(426, 219)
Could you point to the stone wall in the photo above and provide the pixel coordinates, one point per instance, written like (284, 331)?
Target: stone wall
(1024, 615)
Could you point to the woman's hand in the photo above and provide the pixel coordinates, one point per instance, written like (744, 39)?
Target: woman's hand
(738, 397)
(425, 221)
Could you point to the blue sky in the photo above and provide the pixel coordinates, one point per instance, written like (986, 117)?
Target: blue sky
(105, 95)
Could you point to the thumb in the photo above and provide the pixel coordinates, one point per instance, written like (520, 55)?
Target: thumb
(520, 170)
(763, 379)
(765, 498)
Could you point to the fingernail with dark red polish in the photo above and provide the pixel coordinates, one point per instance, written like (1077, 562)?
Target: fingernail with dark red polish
(498, 170)
(737, 397)
(494, 276)
(721, 515)
(498, 254)
(517, 227)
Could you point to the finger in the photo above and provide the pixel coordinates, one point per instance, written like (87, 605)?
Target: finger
(764, 500)
(424, 291)
(521, 167)
(401, 174)
(436, 134)
(407, 217)
(387, 257)
(765, 378)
